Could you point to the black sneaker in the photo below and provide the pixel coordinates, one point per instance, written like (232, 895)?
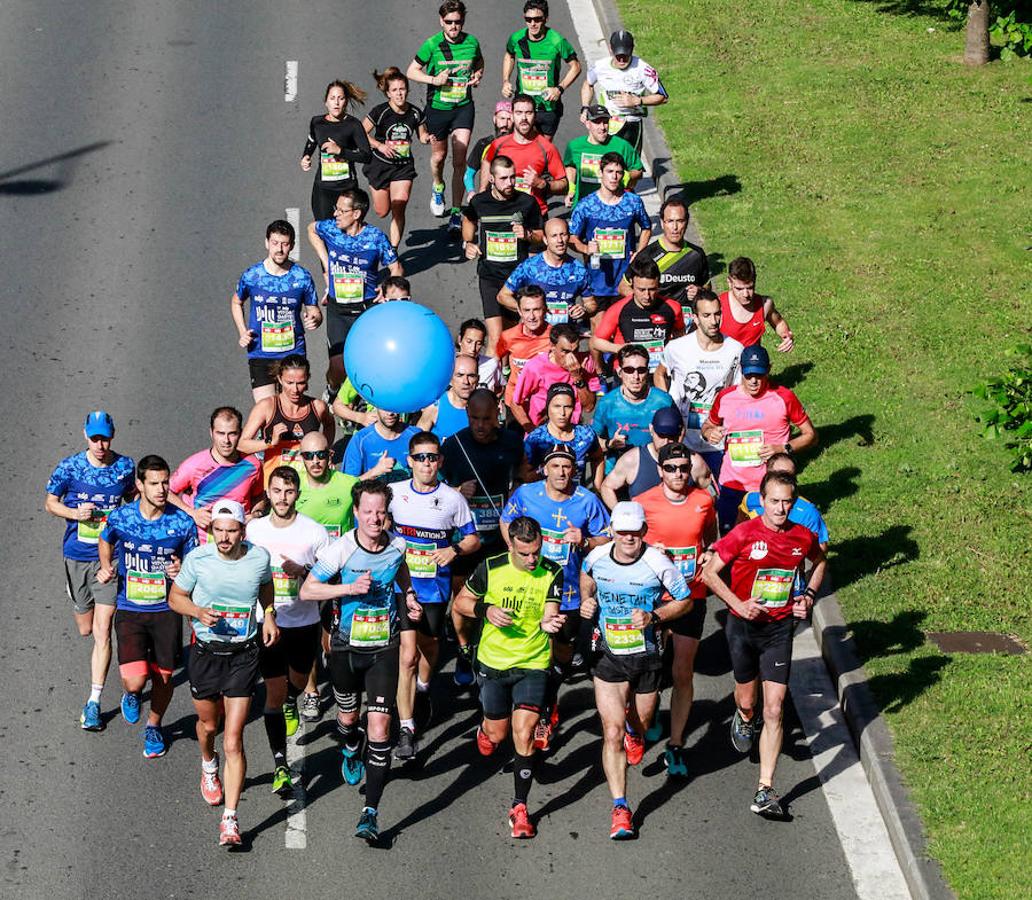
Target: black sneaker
(423, 711)
(742, 733)
(767, 803)
(408, 745)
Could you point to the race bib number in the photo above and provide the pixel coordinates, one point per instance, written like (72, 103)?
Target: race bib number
(145, 588)
(534, 76)
(454, 90)
(333, 531)
(558, 312)
(234, 619)
(622, 638)
(589, 167)
(370, 628)
(420, 560)
(743, 447)
(616, 123)
(88, 531)
(697, 414)
(524, 184)
(612, 242)
(501, 246)
(485, 516)
(277, 337)
(284, 587)
(684, 560)
(554, 546)
(348, 287)
(333, 169)
(772, 588)
(655, 348)
(402, 149)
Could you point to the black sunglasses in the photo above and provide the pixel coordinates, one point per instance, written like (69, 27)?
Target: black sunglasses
(533, 18)
(667, 467)
(635, 370)
(315, 454)
(426, 457)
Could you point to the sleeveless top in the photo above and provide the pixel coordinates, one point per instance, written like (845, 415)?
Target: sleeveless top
(648, 473)
(449, 418)
(285, 452)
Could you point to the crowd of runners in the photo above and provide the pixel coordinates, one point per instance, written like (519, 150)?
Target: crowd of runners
(611, 452)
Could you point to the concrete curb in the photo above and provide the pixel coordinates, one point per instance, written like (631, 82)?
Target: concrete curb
(870, 732)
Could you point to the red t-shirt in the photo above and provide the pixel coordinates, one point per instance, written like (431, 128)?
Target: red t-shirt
(680, 528)
(764, 563)
(520, 348)
(627, 323)
(747, 333)
(538, 155)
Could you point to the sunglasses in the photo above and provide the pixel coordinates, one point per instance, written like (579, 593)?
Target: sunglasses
(621, 57)
(426, 457)
(667, 467)
(635, 370)
(452, 21)
(315, 454)
(533, 18)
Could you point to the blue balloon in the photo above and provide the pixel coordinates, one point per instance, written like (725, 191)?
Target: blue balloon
(399, 356)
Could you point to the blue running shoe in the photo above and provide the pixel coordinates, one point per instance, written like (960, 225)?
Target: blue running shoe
(351, 765)
(90, 718)
(368, 829)
(154, 742)
(455, 223)
(655, 730)
(130, 708)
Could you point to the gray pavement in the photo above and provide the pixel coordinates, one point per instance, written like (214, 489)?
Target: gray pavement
(170, 146)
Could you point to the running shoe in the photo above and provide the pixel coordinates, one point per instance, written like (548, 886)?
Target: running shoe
(742, 733)
(463, 676)
(408, 745)
(676, 767)
(311, 708)
(290, 717)
(423, 710)
(543, 735)
(634, 747)
(484, 744)
(281, 783)
(621, 827)
(767, 803)
(519, 822)
(351, 765)
(655, 730)
(437, 200)
(211, 787)
(368, 828)
(90, 719)
(130, 708)
(455, 223)
(154, 744)
(229, 832)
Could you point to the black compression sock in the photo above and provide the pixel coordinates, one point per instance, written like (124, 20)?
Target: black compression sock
(276, 729)
(292, 692)
(522, 776)
(378, 765)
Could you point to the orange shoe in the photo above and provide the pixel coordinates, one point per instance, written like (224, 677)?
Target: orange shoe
(229, 832)
(622, 828)
(542, 734)
(519, 821)
(484, 744)
(634, 747)
(211, 787)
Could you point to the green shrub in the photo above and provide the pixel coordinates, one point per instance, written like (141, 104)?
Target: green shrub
(1011, 416)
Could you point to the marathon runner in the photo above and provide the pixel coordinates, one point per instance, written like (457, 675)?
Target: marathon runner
(448, 414)
(502, 122)
(573, 521)
(220, 586)
(746, 314)
(565, 281)
(627, 86)
(764, 555)
(697, 367)
(602, 229)
(276, 424)
(429, 515)
(217, 472)
(563, 363)
(393, 127)
(450, 64)
(341, 143)
(379, 450)
(498, 226)
(472, 338)
(803, 512)
(352, 254)
(682, 522)
(282, 306)
(537, 53)
(293, 542)
(622, 586)
(141, 549)
(583, 155)
(516, 597)
(83, 490)
(683, 266)
(558, 428)
(368, 562)
(525, 340)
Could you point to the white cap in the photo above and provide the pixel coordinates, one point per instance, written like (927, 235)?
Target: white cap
(628, 516)
(228, 509)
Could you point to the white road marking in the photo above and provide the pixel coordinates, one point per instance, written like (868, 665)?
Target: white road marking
(296, 837)
(860, 826)
(290, 81)
(294, 218)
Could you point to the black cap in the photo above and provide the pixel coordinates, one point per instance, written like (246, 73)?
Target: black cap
(560, 388)
(596, 112)
(667, 422)
(674, 451)
(621, 43)
(560, 451)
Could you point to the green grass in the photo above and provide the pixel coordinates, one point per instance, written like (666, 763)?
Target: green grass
(883, 189)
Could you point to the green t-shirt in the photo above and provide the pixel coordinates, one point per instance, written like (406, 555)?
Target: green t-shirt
(584, 156)
(462, 59)
(330, 505)
(521, 645)
(538, 62)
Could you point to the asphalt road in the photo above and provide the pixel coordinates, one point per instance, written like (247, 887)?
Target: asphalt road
(145, 147)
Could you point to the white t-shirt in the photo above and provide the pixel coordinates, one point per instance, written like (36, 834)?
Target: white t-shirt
(300, 542)
(639, 78)
(490, 373)
(696, 377)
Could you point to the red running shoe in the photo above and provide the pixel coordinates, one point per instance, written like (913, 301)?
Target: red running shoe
(634, 747)
(519, 821)
(622, 827)
(484, 744)
(229, 832)
(211, 788)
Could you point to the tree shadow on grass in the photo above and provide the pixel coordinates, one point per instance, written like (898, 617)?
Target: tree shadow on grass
(859, 428)
(837, 486)
(933, 8)
(694, 191)
(855, 558)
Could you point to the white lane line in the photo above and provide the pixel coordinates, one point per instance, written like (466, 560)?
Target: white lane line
(296, 837)
(290, 81)
(860, 826)
(294, 218)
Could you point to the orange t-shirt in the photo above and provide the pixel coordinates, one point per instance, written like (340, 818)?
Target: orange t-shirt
(680, 528)
(520, 348)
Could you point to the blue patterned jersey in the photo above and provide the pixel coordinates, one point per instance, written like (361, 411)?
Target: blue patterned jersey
(581, 509)
(74, 482)
(274, 310)
(143, 549)
(355, 263)
(540, 441)
(563, 285)
(613, 226)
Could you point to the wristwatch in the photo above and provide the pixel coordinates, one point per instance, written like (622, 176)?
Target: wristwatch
(654, 618)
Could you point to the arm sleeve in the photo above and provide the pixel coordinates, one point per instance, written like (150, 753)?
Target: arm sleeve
(566, 50)
(633, 158)
(514, 508)
(328, 562)
(110, 531)
(425, 52)
(609, 324)
(678, 315)
(388, 255)
(524, 386)
(532, 217)
(257, 491)
(793, 408)
(555, 589)
(359, 152)
(518, 277)
(600, 421)
(728, 547)
(673, 580)
(641, 216)
(592, 76)
(715, 416)
(310, 143)
(578, 222)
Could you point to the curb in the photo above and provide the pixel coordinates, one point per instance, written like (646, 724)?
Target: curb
(870, 732)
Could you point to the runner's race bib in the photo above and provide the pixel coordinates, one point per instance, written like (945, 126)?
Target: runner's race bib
(622, 638)
(145, 588)
(772, 588)
(655, 348)
(533, 76)
(88, 531)
(554, 546)
(333, 531)
(402, 149)
(558, 311)
(501, 246)
(370, 628)
(348, 287)
(234, 622)
(589, 167)
(743, 447)
(612, 242)
(420, 560)
(284, 587)
(277, 337)
(684, 560)
(485, 517)
(333, 169)
(455, 88)
(523, 184)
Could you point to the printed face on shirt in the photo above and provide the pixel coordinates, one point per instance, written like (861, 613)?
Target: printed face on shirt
(225, 435)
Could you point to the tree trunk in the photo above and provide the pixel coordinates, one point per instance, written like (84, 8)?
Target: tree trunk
(976, 39)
